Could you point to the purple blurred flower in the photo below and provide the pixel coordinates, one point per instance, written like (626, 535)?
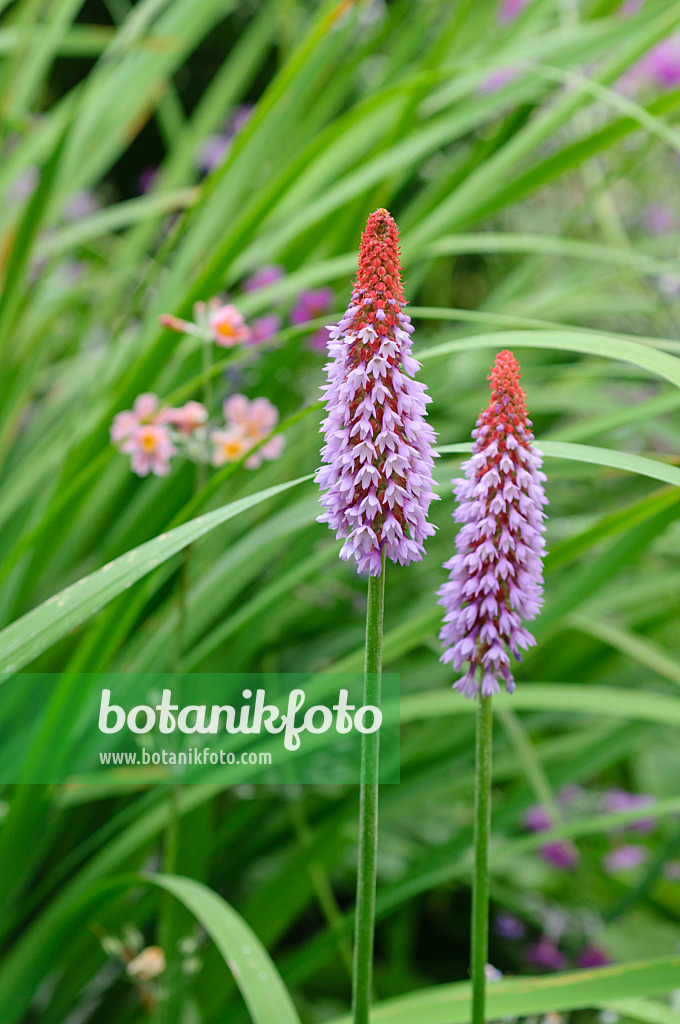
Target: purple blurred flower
(24, 185)
(81, 204)
(264, 328)
(537, 819)
(496, 575)
(659, 68)
(630, 7)
(547, 954)
(497, 80)
(262, 277)
(561, 855)
(213, 152)
(146, 179)
(318, 342)
(378, 454)
(659, 219)
(624, 858)
(216, 147)
(619, 800)
(311, 304)
(509, 927)
(593, 956)
(511, 9)
(570, 793)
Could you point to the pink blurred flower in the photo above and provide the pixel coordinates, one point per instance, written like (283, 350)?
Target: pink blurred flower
(511, 9)
(150, 449)
(264, 328)
(497, 80)
(593, 956)
(311, 304)
(175, 323)
(269, 451)
(547, 954)
(659, 219)
(228, 326)
(660, 67)
(256, 418)
(125, 423)
(249, 422)
(624, 858)
(263, 277)
(228, 445)
(186, 418)
(630, 7)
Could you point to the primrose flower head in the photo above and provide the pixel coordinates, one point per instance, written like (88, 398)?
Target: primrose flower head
(125, 423)
(187, 418)
(496, 576)
(247, 424)
(378, 453)
(150, 448)
(228, 446)
(228, 326)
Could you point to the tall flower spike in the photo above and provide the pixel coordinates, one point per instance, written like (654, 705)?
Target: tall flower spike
(496, 576)
(378, 451)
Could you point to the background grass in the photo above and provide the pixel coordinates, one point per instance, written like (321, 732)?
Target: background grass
(524, 212)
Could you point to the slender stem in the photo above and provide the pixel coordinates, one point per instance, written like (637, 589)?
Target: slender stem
(480, 891)
(362, 980)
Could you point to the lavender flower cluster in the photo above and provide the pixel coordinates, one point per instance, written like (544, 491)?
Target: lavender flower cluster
(496, 577)
(378, 453)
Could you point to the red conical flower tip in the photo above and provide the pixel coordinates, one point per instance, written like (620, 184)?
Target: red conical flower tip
(379, 271)
(507, 405)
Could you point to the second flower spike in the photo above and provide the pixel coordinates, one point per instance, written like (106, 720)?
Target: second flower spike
(496, 576)
(378, 453)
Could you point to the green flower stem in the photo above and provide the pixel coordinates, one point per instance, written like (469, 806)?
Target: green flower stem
(480, 887)
(362, 977)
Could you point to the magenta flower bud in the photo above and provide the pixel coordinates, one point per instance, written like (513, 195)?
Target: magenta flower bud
(496, 576)
(378, 454)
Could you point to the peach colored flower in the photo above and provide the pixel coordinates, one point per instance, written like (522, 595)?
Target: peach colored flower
(148, 964)
(150, 448)
(187, 418)
(125, 423)
(256, 418)
(228, 326)
(229, 446)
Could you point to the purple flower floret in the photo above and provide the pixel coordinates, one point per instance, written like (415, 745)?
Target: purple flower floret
(496, 576)
(378, 454)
